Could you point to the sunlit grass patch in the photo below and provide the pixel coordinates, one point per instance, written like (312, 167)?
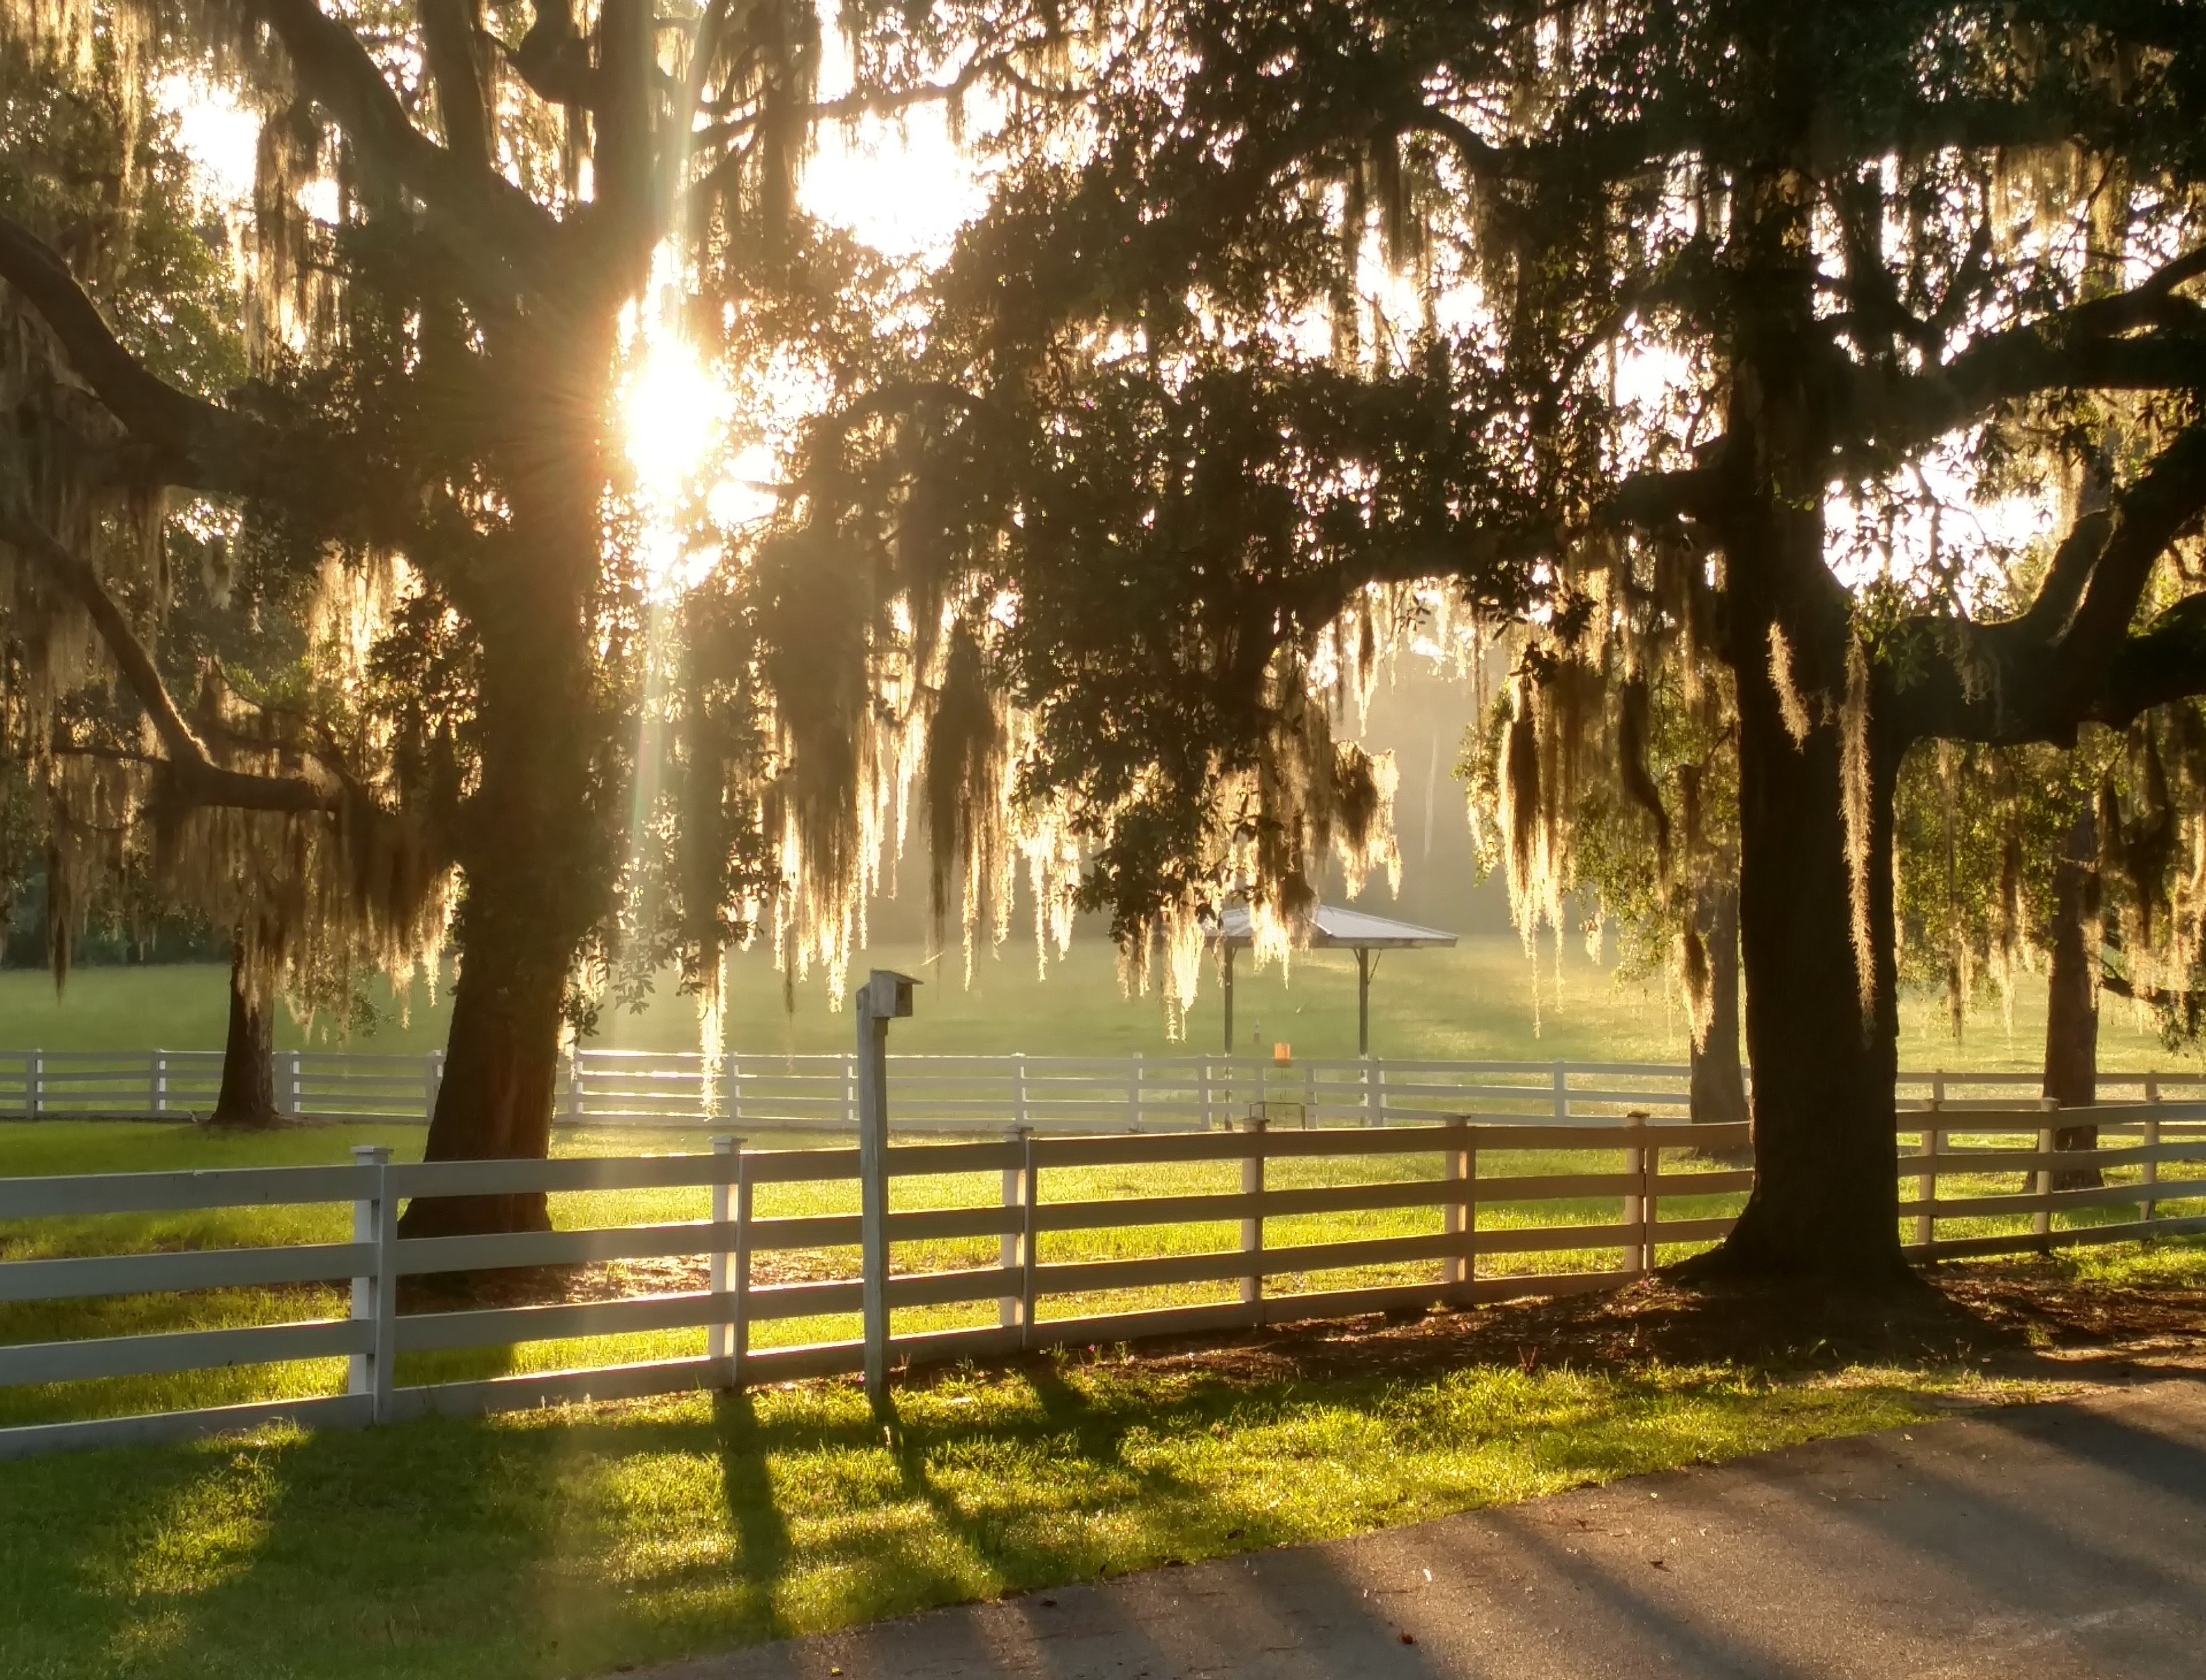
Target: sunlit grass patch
(567, 1542)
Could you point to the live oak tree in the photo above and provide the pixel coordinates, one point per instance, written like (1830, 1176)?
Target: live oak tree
(89, 155)
(1728, 296)
(430, 402)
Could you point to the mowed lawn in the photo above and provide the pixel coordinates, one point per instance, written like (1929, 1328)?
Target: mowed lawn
(572, 1542)
(575, 1541)
(1474, 1001)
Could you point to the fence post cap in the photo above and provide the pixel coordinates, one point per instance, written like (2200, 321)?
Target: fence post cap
(371, 1154)
(727, 1143)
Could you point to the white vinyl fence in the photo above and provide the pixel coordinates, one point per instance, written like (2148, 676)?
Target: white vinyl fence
(1508, 1209)
(942, 1094)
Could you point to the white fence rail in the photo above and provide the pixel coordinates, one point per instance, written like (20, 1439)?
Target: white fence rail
(947, 1093)
(1500, 1220)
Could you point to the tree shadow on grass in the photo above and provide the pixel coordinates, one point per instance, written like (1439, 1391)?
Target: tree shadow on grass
(561, 1545)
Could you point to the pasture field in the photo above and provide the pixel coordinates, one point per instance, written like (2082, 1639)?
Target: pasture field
(1473, 1003)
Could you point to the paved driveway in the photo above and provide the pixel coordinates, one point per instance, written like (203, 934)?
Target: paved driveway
(2042, 1541)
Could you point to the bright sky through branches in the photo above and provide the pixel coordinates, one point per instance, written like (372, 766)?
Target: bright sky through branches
(903, 187)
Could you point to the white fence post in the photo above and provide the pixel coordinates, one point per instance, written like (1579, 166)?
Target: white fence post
(735, 1084)
(717, 1339)
(1650, 1204)
(2043, 1225)
(1459, 1217)
(1203, 1091)
(740, 1329)
(1374, 1092)
(375, 1295)
(159, 1093)
(1134, 1093)
(1562, 1092)
(1635, 1206)
(577, 1087)
(1011, 1253)
(34, 1084)
(289, 1094)
(2152, 1174)
(1029, 1235)
(850, 1106)
(1019, 1092)
(1926, 1182)
(1252, 1228)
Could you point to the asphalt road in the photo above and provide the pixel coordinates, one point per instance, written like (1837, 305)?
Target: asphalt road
(2045, 1541)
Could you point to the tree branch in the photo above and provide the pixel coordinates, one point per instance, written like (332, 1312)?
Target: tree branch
(1659, 498)
(486, 217)
(194, 442)
(2071, 657)
(2095, 344)
(448, 38)
(195, 777)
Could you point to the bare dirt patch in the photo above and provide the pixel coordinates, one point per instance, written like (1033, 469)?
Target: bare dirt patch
(2020, 1319)
(2037, 1318)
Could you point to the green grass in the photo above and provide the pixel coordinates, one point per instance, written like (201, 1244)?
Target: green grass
(567, 1543)
(570, 1542)
(1472, 1003)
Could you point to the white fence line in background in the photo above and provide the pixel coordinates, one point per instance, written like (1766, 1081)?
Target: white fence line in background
(944, 1094)
(1474, 1167)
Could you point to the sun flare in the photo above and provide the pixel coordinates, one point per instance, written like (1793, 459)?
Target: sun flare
(675, 417)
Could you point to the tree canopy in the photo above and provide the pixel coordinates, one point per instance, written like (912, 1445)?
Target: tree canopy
(1592, 313)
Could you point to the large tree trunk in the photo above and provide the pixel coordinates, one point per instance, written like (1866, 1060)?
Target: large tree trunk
(1825, 1195)
(535, 855)
(247, 1097)
(1717, 1089)
(1823, 1026)
(2071, 1002)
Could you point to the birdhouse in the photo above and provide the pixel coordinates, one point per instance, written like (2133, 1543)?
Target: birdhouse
(888, 994)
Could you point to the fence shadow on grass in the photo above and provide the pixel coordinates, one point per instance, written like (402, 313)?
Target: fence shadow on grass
(448, 1545)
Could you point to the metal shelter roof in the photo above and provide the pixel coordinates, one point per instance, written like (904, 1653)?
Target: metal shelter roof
(1333, 928)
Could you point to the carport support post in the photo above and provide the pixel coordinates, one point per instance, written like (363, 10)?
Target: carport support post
(1226, 961)
(375, 1294)
(1364, 1000)
(881, 999)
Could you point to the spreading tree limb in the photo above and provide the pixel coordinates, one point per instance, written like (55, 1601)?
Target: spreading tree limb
(193, 441)
(194, 776)
(488, 218)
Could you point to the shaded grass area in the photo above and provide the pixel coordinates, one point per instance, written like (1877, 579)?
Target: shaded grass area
(569, 1543)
